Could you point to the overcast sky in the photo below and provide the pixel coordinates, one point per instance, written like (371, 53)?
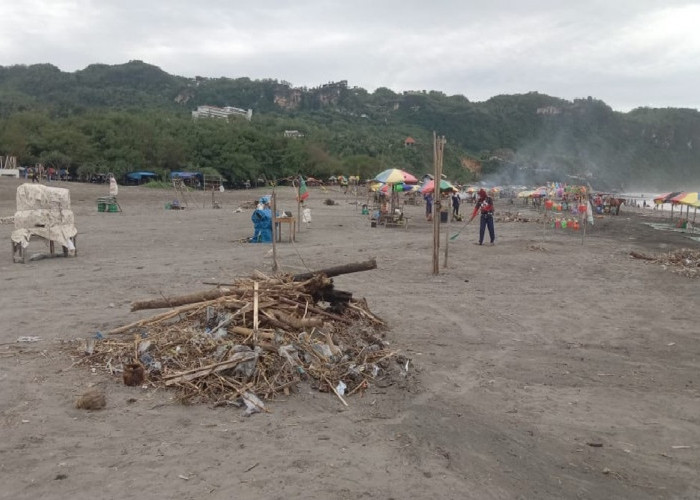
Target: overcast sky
(628, 53)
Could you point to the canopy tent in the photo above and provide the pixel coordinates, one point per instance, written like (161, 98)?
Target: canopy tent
(666, 197)
(187, 175)
(139, 177)
(690, 199)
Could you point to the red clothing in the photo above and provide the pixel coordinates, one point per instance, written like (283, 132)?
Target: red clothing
(485, 205)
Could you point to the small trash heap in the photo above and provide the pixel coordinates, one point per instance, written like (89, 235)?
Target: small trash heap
(685, 261)
(250, 341)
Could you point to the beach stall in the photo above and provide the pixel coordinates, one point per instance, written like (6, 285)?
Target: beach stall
(390, 213)
(43, 212)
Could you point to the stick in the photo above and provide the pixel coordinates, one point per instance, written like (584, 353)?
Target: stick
(256, 317)
(196, 373)
(160, 317)
(342, 400)
(318, 310)
(454, 236)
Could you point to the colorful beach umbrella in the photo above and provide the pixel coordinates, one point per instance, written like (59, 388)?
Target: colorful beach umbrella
(397, 188)
(429, 186)
(395, 176)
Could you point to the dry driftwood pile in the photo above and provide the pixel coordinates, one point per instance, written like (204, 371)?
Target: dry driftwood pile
(684, 261)
(254, 339)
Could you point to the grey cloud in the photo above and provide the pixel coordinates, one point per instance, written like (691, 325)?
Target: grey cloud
(628, 53)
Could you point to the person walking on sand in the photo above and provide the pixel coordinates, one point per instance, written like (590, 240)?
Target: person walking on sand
(428, 207)
(455, 206)
(484, 204)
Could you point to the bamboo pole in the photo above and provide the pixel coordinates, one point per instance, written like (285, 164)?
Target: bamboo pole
(256, 304)
(275, 266)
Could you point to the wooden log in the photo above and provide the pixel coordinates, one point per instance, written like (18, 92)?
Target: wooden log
(638, 255)
(338, 270)
(241, 330)
(297, 323)
(181, 300)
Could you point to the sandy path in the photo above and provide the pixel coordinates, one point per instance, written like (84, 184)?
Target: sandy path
(523, 354)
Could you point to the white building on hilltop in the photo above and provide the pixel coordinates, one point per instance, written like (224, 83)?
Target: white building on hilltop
(225, 112)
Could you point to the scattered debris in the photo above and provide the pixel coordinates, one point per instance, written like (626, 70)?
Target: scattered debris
(516, 217)
(93, 399)
(28, 339)
(210, 350)
(537, 248)
(134, 374)
(684, 261)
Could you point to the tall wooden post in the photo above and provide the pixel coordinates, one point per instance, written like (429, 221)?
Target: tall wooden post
(275, 266)
(438, 147)
(297, 185)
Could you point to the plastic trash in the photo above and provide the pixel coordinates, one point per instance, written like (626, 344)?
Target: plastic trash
(252, 403)
(90, 346)
(28, 339)
(306, 215)
(340, 388)
(323, 349)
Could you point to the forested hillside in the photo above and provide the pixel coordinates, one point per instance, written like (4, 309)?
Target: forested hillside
(135, 116)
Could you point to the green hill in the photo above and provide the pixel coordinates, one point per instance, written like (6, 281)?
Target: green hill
(135, 116)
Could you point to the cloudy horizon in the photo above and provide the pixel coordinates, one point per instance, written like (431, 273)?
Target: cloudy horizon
(629, 54)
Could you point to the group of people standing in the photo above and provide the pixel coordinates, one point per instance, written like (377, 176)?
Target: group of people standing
(483, 205)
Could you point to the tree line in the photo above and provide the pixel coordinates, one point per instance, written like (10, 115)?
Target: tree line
(135, 116)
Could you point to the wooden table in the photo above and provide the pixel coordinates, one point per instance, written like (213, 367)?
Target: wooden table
(292, 221)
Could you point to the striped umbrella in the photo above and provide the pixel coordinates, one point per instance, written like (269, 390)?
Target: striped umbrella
(395, 176)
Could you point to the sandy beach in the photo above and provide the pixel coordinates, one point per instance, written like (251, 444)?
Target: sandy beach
(545, 366)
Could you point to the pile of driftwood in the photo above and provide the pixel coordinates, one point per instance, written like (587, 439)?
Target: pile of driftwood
(684, 261)
(251, 340)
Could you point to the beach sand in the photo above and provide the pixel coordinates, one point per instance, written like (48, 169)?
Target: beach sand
(541, 367)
